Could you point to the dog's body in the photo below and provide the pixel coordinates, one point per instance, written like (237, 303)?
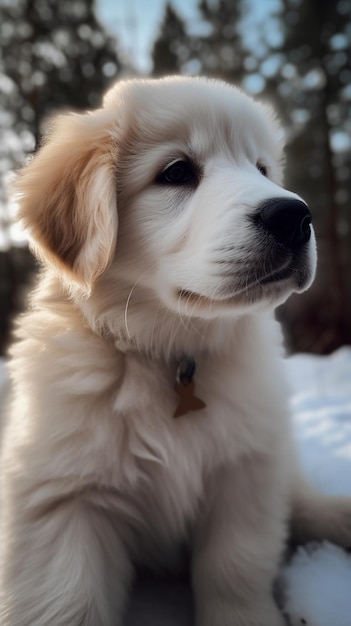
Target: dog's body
(97, 473)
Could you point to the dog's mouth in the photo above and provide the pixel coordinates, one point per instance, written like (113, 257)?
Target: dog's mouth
(193, 298)
(246, 293)
(276, 277)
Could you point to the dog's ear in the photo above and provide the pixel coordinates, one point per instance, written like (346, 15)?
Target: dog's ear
(67, 197)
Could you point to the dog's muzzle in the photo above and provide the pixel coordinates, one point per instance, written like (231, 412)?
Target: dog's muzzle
(287, 219)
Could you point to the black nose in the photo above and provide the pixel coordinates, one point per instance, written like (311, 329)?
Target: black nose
(287, 219)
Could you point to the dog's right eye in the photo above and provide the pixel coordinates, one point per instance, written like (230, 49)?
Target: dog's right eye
(178, 173)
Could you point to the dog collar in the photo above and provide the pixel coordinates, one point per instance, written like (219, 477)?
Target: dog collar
(185, 388)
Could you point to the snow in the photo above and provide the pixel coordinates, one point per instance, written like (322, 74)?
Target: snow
(317, 586)
(321, 404)
(316, 582)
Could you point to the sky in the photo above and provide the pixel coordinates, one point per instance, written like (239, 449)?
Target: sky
(136, 23)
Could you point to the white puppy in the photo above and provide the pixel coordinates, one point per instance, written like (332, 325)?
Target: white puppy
(167, 241)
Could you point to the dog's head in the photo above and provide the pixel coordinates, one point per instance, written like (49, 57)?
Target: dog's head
(174, 188)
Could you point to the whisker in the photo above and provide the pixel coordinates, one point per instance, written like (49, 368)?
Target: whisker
(154, 325)
(137, 282)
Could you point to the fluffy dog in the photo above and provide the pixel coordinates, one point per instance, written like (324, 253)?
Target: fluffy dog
(148, 414)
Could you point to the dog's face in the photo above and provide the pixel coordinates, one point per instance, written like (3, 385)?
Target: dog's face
(191, 171)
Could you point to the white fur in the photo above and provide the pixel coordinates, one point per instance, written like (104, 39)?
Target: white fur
(97, 474)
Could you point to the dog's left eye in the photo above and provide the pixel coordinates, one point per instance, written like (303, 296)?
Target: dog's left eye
(178, 173)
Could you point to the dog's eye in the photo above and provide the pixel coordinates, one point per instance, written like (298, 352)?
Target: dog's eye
(262, 169)
(178, 173)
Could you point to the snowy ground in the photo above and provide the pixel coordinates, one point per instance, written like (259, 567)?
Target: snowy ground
(317, 581)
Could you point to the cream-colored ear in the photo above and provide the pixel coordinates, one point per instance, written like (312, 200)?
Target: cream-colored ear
(67, 197)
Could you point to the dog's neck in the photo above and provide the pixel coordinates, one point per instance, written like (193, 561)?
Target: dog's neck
(147, 327)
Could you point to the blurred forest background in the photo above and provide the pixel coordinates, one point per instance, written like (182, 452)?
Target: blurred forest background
(57, 54)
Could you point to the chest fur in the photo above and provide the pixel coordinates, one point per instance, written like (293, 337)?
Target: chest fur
(242, 414)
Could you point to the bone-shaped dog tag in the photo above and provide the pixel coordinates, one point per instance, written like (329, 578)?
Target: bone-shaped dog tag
(187, 400)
